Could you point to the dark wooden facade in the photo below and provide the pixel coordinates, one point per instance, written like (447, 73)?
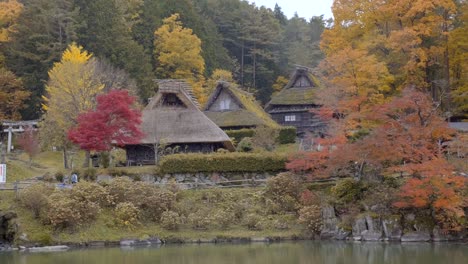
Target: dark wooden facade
(304, 121)
(294, 105)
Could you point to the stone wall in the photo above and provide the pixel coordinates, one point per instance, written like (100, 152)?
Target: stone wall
(190, 180)
(369, 226)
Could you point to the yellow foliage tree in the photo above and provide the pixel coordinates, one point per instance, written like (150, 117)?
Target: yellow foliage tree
(178, 54)
(12, 95)
(9, 12)
(279, 84)
(71, 90)
(458, 53)
(409, 36)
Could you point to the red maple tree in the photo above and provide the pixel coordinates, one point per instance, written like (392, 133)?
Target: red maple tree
(114, 122)
(407, 138)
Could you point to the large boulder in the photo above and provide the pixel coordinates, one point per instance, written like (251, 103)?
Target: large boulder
(367, 227)
(374, 229)
(392, 228)
(439, 236)
(359, 226)
(416, 236)
(330, 228)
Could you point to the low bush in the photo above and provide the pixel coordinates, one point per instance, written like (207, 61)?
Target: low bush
(283, 193)
(35, 198)
(245, 145)
(150, 199)
(199, 219)
(89, 174)
(92, 193)
(59, 176)
(68, 212)
(223, 218)
(253, 221)
(311, 217)
(126, 215)
(347, 191)
(230, 162)
(265, 138)
(116, 172)
(170, 220)
(240, 134)
(286, 135)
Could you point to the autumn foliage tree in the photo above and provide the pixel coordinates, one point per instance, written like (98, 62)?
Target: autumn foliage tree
(29, 142)
(12, 95)
(178, 54)
(406, 38)
(406, 139)
(9, 13)
(71, 90)
(115, 121)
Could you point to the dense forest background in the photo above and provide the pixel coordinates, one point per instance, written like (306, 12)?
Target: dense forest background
(256, 44)
(371, 46)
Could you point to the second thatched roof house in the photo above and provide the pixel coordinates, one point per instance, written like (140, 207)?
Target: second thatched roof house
(293, 104)
(232, 108)
(172, 118)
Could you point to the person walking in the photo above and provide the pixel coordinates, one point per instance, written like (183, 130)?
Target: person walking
(74, 178)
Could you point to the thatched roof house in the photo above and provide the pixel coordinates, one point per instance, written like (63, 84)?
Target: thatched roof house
(173, 118)
(232, 108)
(292, 105)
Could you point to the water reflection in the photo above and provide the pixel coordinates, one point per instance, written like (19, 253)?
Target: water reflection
(300, 252)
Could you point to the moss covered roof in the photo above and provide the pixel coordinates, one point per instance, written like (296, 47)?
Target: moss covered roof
(250, 114)
(294, 94)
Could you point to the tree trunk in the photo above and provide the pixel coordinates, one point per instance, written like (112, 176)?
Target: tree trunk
(65, 158)
(242, 66)
(87, 158)
(2, 153)
(156, 151)
(254, 66)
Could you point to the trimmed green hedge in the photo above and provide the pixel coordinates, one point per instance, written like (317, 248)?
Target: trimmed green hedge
(238, 135)
(287, 135)
(222, 162)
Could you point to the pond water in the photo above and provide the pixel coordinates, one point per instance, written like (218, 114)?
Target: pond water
(300, 252)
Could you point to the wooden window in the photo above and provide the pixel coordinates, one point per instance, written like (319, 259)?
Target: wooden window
(302, 82)
(171, 100)
(226, 104)
(290, 118)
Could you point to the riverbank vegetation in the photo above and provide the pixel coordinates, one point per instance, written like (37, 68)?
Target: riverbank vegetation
(124, 208)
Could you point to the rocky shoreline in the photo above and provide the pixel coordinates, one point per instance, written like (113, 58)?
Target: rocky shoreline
(371, 227)
(154, 242)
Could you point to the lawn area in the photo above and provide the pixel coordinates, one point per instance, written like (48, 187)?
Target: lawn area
(48, 162)
(287, 148)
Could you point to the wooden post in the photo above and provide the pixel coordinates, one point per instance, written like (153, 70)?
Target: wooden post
(15, 186)
(10, 134)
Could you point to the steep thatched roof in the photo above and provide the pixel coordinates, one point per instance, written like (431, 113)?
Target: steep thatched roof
(247, 113)
(173, 116)
(299, 91)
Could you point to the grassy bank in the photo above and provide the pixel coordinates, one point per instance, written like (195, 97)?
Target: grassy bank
(213, 201)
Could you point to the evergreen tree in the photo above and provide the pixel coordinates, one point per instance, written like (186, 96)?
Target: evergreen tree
(108, 36)
(44, 30)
